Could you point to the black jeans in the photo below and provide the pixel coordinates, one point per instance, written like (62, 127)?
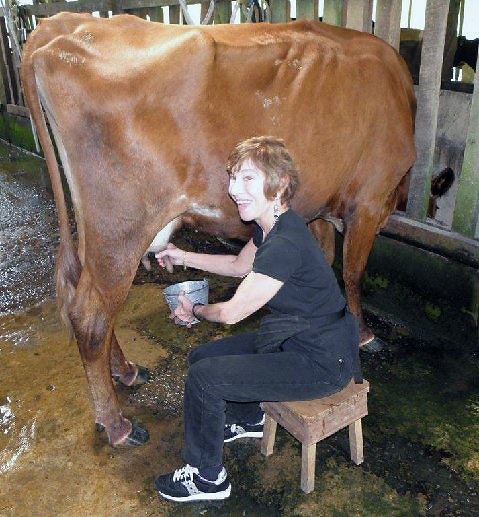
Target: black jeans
(227, 378)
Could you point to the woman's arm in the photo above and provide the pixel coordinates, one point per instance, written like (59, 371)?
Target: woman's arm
(254, 291)
(226, 265)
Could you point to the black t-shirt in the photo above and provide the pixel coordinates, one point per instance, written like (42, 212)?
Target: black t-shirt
(290, 254)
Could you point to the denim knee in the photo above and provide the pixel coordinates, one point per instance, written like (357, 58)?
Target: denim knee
(195, 355)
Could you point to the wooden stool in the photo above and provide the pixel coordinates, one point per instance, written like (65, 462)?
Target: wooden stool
(312, 420)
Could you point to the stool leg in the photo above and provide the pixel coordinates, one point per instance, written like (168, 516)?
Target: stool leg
(308, 461)
(356, 442)
(269, 434)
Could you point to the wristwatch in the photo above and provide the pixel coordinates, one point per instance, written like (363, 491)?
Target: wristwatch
(193, 311)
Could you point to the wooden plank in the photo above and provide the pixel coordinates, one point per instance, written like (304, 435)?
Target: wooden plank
(306, 9)
(428, 106)
(356, 442)
(269, 434)
(359, 15)
(280, 11)
(308, 463)
(388, 21)
(333, 12)
(466, 211)
(20, 111)
(438, 240)
(222, 12)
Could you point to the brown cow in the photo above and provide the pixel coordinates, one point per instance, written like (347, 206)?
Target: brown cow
(144, 116)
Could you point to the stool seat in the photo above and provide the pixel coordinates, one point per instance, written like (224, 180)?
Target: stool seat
(310, 421)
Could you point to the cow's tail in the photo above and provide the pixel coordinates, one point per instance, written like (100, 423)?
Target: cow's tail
(67, 266)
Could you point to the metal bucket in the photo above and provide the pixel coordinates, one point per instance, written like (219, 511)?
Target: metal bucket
(195, 290)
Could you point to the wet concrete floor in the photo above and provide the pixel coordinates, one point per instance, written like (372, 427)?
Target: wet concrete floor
(421, 447)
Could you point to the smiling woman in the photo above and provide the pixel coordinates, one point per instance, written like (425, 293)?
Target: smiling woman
(306, 349)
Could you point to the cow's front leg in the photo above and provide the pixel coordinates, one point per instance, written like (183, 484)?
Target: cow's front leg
(124, 371)
(93, 327)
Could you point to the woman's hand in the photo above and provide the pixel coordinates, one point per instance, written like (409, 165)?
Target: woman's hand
(175, 255)
(184, 310)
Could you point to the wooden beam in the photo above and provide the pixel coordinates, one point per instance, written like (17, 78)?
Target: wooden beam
(388, 21)
(443, 242)
(20, 111)
(428, 106)
(306, 9)
(467, 199)
(333, 12)
(80, 6)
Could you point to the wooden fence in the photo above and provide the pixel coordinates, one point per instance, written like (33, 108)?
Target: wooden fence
(460, 239)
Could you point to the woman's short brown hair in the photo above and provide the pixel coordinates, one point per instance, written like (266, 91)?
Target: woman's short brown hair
(269, 155)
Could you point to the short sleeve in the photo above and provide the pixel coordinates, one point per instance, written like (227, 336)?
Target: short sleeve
(257, 236)
(278, 258)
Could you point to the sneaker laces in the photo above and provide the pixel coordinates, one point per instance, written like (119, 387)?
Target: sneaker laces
(235, 428)
(185, 473)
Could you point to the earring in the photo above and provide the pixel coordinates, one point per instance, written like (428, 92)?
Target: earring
(275, 211)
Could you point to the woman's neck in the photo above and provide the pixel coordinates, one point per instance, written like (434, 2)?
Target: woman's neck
(267, 223)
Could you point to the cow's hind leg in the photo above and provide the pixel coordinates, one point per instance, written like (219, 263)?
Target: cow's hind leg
(359, 235)
(92, 322)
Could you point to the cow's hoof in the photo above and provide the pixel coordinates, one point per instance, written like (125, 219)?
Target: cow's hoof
(142, 377)
(137, 436)
(372, 345)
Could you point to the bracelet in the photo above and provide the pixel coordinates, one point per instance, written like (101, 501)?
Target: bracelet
(199, 318)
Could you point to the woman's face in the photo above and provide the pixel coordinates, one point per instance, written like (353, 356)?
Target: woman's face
(246, 188)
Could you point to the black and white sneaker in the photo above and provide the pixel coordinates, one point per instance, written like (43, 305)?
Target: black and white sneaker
(186, 484)
(235, 431)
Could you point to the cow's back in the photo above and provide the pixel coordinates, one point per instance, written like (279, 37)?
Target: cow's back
(178, 99)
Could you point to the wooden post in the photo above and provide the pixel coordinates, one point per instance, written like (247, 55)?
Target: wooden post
(388, 21)
(308, 463)
(359, 15)
(7, 56)
(280, 11)
(333, 12)
(356, 442)
(306, 9)
(222, 13)
(466, 210)
(269, 434)
(4, 64)
(174, 13)
(428, 106)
